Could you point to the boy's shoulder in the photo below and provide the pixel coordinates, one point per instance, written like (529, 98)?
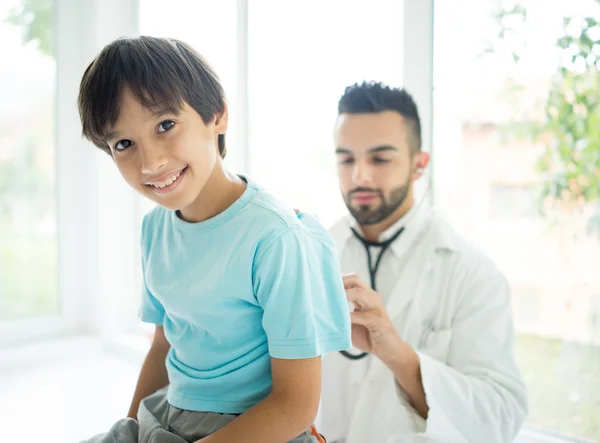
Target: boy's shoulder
(269, 210)
(274, 217)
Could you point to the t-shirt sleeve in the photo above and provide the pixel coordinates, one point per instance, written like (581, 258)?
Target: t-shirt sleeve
(298, 283)
(151, 310)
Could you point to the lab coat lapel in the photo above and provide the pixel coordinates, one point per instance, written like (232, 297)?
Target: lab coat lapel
(414, 274)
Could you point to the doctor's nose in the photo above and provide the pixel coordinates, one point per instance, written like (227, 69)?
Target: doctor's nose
(361, 174)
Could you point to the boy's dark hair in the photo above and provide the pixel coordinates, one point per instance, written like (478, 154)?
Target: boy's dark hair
(373, 97)
(160, 73)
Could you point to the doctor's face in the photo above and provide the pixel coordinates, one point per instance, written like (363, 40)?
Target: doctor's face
(376, 165)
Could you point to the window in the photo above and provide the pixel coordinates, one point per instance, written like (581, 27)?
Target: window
(496, 114)
(528, 310)
(594, 318)
(28, 231)
(295, 82)
(514, 202)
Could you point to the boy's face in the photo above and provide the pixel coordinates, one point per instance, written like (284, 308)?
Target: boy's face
(166, 156)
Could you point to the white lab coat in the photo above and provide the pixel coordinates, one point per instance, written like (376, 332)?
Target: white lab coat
(451, 304)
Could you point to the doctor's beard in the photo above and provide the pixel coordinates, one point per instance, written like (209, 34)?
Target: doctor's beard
(365, 215)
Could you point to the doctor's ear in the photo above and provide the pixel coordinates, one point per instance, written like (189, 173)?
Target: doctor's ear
(421, 160)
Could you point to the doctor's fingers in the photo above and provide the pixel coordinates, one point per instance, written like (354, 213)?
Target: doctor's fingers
(364, 299)
(354, 281)
(369, 319)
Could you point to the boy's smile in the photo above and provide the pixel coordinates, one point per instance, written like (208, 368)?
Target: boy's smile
(167, 182)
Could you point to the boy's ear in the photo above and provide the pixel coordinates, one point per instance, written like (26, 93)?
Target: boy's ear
(222, 121)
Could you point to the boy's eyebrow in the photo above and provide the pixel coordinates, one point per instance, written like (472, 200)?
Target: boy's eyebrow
(159, 112)
(110, 136)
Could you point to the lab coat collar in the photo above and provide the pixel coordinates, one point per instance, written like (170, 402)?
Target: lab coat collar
(420, 221)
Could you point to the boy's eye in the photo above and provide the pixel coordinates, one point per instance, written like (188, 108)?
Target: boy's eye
(166, 126)
(122, 145)
(346, 161)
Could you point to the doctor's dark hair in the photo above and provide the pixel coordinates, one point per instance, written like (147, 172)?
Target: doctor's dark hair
(161, 74)
(374, 97)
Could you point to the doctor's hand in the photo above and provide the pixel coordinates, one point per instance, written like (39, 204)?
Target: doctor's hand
(372, 329)
(374, 332)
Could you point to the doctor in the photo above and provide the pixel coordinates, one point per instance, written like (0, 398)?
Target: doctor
(432, 325)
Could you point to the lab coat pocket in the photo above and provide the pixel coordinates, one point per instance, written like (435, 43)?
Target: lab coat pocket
(382, 413)
(436, 343)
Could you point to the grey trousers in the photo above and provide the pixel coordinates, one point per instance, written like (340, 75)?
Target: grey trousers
(159, 422)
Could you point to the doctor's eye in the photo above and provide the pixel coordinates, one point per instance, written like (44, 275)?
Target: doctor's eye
(380, 161)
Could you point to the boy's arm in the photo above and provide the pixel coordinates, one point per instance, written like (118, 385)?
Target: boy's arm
(153, 375)
(287, 412)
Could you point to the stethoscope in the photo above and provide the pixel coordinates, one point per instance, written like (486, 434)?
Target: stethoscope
(372, 271)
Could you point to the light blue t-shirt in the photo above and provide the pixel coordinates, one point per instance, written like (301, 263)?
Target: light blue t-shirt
(254, 282)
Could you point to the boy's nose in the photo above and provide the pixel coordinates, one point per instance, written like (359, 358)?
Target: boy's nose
(153, 160)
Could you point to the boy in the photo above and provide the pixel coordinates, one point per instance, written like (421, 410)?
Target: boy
(245, 297)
